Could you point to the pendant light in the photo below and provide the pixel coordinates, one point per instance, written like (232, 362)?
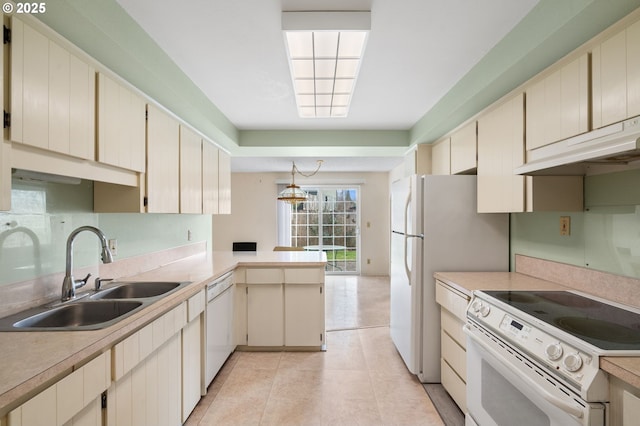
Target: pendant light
(293, 194)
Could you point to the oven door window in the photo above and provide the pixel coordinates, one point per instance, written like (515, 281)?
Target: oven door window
(496, 395)
(501, 409)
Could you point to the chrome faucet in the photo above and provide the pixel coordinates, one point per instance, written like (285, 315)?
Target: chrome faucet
(69, 284)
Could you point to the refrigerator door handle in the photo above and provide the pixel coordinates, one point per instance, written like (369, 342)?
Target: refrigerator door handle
(406, 264)
(406, 237)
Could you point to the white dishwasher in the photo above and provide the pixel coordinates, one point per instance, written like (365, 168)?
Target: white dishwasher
(219, 316)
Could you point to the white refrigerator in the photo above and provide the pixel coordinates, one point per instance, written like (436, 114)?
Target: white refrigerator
(435, 228)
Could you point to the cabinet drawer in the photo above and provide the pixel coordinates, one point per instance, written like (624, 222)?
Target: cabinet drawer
(455, 355)
(304, 276)
(195, 305)
(452, 300)
(453, 384)
(264, 276)
(240, 275)
(453, 327)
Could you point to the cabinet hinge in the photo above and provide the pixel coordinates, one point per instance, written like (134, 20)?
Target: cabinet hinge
(6, 32)
(145, 201)
(321, 337)
(146, 115)
(103, 400)
(246, 290)
(247, 341)
(320, 289)
(7, 119)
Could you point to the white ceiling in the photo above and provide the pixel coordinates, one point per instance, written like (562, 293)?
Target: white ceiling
(416, 51)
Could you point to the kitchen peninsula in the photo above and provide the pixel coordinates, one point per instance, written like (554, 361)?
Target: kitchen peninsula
(33, 362)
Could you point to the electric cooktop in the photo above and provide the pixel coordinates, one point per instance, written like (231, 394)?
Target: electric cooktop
(601, 324)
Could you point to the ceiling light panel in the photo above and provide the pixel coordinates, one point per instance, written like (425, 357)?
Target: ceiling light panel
(325, 50)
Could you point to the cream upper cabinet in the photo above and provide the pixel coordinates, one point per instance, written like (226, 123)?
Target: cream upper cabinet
(190, 171)
(163, 153)
(121, 125)
(5, 144)
(418, 160)
(557, 107)
(224, 183)
(441, 157)
(216, 180)
(464, 150)
(52, 95)
(616, 77)
(210, 178)
(500, 150)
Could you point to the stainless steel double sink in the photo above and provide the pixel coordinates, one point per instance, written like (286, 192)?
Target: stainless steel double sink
(101, 309)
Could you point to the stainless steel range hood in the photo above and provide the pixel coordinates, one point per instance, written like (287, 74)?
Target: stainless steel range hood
(615, 144)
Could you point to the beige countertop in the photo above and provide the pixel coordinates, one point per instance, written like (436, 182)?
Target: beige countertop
(31, 361)
(626, 369)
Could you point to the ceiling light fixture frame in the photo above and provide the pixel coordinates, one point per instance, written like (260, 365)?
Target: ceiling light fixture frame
(325, 50)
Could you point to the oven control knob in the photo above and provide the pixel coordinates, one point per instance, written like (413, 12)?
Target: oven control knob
(484, 310)
(572, 362)
(554, 351)
(476, 306)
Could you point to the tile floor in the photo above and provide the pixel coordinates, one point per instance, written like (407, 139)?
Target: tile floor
(359, 380)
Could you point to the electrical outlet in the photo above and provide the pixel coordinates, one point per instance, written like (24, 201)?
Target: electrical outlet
(113, 246)
(565, 225)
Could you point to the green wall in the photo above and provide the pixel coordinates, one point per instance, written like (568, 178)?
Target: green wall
(606, 236)
(33, 234)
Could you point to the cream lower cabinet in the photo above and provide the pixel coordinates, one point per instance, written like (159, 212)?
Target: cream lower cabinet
(73, 401)
(147, 374)
(453, 359)
(624, 403)
(304, 307)
(192, 354)
(278, 307)
(265, 315)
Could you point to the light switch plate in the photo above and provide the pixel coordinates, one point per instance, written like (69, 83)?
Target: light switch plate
(113, 246)
(565, 225)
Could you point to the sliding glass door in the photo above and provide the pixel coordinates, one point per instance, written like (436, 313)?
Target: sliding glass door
(329, 221)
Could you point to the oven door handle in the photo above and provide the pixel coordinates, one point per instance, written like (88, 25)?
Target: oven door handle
(575, 412)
